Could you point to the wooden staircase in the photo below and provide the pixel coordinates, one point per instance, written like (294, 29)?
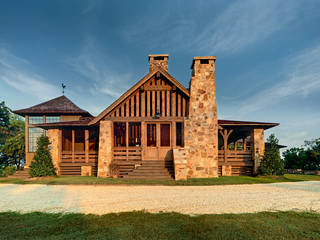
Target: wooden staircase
(21, 174)
(149, 169)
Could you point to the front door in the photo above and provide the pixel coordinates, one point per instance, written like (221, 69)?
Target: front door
(158, 141)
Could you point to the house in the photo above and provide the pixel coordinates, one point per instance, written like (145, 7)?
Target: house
(157, 129)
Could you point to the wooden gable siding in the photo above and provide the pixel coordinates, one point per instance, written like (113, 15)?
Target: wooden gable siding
(158, 95)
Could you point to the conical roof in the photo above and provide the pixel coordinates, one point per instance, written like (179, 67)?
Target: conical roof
(59, 105)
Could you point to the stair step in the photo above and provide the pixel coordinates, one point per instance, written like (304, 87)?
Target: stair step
(146, 177)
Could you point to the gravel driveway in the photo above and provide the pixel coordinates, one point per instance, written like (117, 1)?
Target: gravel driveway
(100, 199)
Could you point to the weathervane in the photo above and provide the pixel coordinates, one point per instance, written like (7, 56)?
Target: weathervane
(63, 87)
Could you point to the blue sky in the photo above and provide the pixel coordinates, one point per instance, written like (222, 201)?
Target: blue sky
(267, 68)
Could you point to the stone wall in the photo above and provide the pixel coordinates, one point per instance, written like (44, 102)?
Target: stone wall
(54, 138)
(86, 170)
(201, 127)
(258, 147)
(180, 164)
(105, 148)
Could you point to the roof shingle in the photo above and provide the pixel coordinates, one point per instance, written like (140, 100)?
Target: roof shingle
(59, 105)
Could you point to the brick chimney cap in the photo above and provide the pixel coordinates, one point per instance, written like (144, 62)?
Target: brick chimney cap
(201, 58)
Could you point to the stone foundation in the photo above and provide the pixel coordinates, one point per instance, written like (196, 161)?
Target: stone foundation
(201, 128)
(105, 148)
(226, 170)
(180, 164)
(86, 170)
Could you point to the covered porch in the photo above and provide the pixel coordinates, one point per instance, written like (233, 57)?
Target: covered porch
(241, 147)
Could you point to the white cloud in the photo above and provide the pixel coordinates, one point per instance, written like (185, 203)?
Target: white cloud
(98, 70)
(302, 78)
(245, 22)
(16, 72)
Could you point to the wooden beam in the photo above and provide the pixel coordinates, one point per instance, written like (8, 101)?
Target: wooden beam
(168, 104)
(157, 88)
(143, 107)
(179, 104)
(124, 119)
(173, 104)
(86, 144)
(184, 106)
(158, 101)
(153, 103)
(132, 106)
(137, 104)
(73, 139)
(148, 106)
(163, 111)
(127, 109)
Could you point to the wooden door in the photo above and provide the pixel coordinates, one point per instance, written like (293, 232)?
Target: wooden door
(158, 141)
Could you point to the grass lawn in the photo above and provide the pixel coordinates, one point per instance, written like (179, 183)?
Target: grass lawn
(142, 225)
(189, 182)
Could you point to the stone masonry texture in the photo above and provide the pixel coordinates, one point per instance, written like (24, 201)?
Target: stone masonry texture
(105, 148)
(258, 147)
(201, 129)
(180, 164)
(155, 63)
(54, 136)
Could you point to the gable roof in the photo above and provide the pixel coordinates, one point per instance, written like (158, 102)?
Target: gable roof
(59, 105)
(137, 86)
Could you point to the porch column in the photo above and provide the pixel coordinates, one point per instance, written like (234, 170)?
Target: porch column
(225, 135)
(105, 148)
(54, 138)
(257, 148)
(226, 169)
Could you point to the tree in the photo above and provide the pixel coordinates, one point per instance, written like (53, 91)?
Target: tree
(306, 157)
(42, 162)
(12, 144)
(4, 122)
(272, 163)
(14, 151)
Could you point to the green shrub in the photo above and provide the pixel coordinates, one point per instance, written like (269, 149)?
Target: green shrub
(271, 163)
(9, 170)
(42, 162)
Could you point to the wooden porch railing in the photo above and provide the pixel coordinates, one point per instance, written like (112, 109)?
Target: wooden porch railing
(132, 154)
(79, 157)
(239, 156)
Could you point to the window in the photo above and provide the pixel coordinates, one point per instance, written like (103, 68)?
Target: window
(50, 119)
(67, 140)
(134, 134)
(179, 134)
(151, 135)
(35, 119)
(119, 129)
(93, 140)
(34, 133)
(79, 140)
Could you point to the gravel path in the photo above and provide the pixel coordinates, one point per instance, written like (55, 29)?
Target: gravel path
(100, 199)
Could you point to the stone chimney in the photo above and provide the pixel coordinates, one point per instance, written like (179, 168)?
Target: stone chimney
(201, 127)
(160, 60)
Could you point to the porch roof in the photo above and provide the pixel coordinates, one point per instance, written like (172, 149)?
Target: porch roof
(59, 105)
(79, 123)
(264, 125)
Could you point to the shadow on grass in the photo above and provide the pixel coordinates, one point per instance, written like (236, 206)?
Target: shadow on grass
(142, 225)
